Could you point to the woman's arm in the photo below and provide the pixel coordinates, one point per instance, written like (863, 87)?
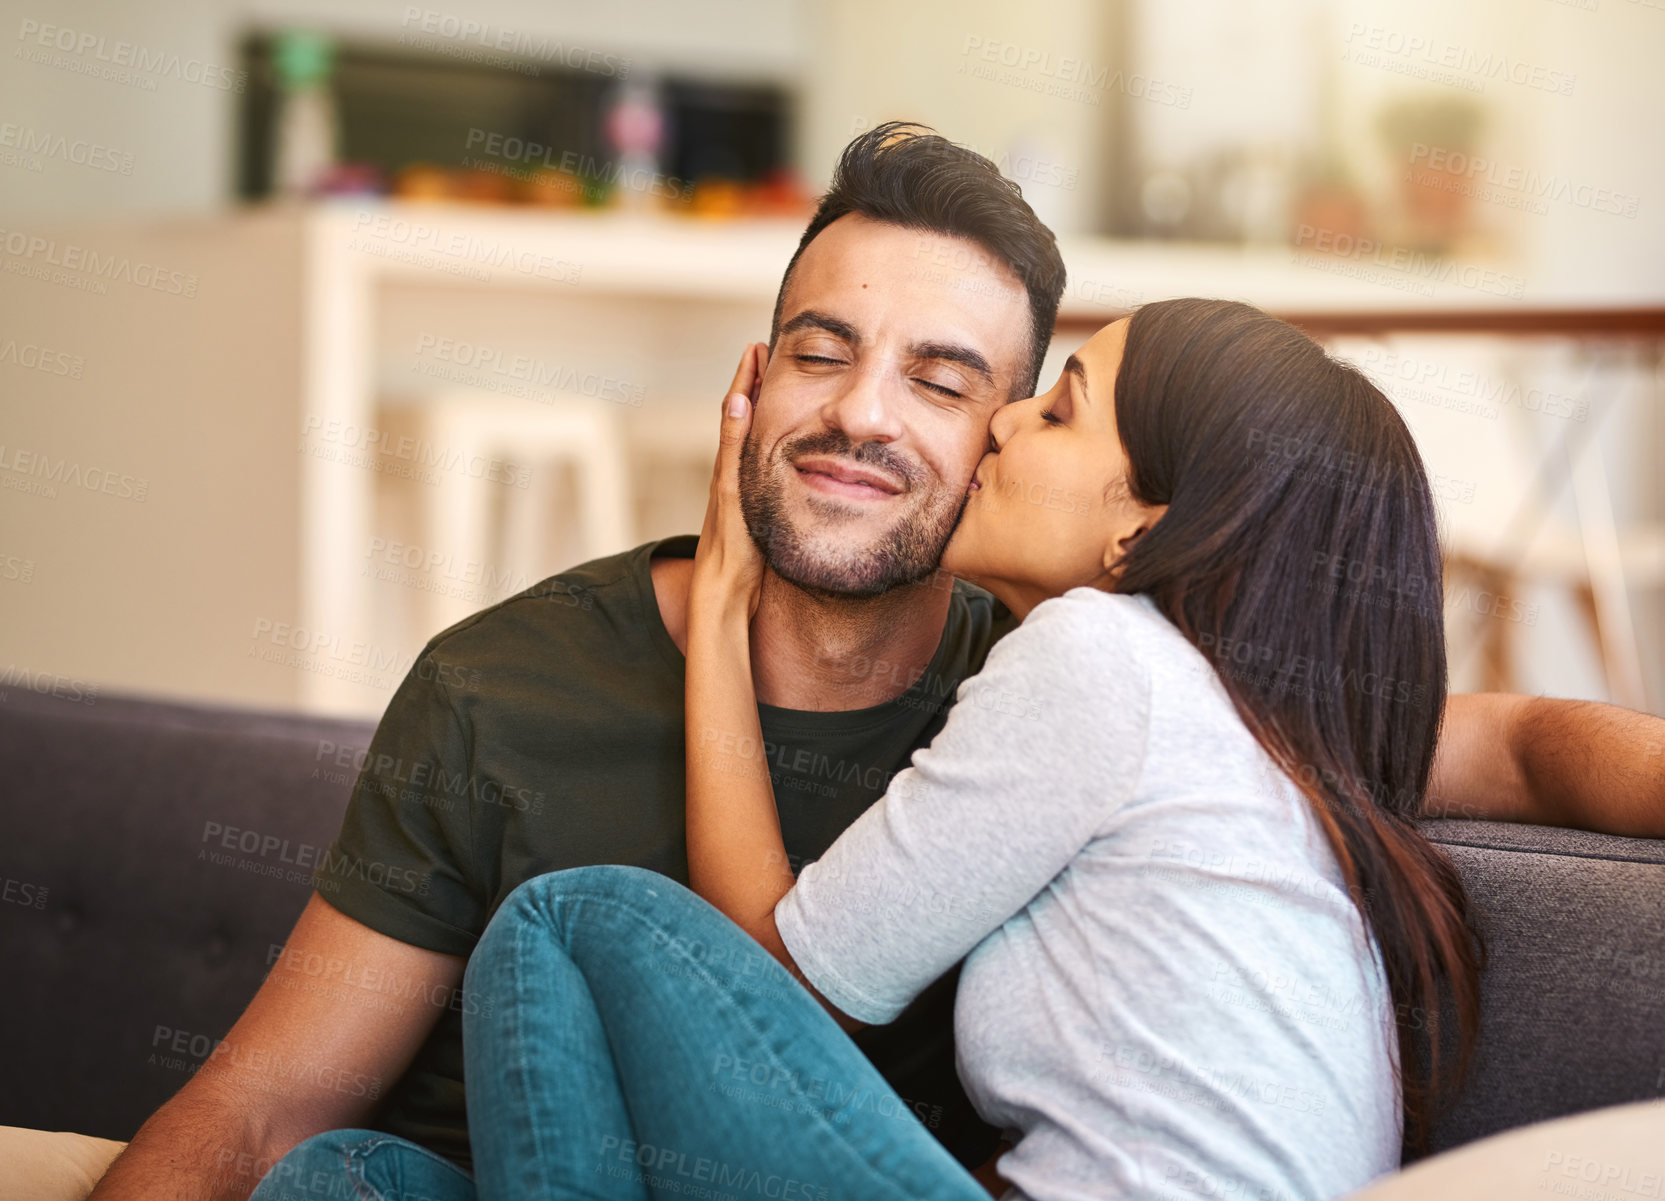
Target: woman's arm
(1041, 754)
(736, 859)
(1040, 747)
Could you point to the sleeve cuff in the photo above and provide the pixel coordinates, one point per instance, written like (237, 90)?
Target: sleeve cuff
(847, 997)
(386, 914)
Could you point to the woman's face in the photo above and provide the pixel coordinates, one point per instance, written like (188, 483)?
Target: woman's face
(1049, 507)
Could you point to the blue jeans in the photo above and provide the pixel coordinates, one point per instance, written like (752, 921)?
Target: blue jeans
(363, 1165)
(638, 1045)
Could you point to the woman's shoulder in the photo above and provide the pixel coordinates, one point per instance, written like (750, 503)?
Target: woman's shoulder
(1083, 645)
(1114, 623)
(1127, 632)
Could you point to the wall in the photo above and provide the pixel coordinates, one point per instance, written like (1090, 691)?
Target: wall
(1041, 119)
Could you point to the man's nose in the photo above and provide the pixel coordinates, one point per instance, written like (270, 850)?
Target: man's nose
(868, 407)
(1002, 424)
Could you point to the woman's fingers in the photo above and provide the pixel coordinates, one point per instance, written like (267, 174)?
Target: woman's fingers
(760, 351)
(727, 566)
(723, 510)
(736, 419)
(737, 411)
(725, 479)
(748, 374)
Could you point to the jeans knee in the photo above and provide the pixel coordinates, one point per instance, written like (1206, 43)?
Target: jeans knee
(321, 1153)
(341, 1164)
(542, 898)
(543, 901)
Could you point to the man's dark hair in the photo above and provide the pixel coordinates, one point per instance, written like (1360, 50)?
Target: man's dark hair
(909, 175)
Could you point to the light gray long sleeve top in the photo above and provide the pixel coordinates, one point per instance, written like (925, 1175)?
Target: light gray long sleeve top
(1167, 990)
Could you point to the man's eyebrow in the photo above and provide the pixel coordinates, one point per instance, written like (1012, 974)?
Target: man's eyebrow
(1077, 368)
(815, 319)
(950, 353)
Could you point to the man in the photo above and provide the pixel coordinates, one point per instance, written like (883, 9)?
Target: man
(884, 370)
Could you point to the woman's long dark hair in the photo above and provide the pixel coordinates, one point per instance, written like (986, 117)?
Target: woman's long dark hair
(1299, 552)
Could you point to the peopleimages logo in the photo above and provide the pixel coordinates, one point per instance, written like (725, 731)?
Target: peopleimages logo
(1476, 175)
(517, 374)
(535, 156)
(1404, 263)
(340, 441)
(429, 245)
(35, 357)
(1440, 61)
(1434, 382)
(37, 37)
(44, 144)
(35, 472)
(47, 683)
(1038, 70)
(33, 254)
(446, 27)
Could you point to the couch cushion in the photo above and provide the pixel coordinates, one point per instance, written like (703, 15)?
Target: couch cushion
(150, 855)
(1573, 999)
(46, 1165)
(1609, 1155)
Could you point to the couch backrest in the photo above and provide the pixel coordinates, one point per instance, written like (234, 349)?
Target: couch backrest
(1573, 998)
(151, 855)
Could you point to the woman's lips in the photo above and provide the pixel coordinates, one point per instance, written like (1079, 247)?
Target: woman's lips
(837, 478)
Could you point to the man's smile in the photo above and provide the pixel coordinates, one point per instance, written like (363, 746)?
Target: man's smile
(839, 477)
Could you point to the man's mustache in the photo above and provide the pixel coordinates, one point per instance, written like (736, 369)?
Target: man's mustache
(838, 444)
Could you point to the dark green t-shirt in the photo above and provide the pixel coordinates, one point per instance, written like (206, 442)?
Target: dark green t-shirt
(546, 732)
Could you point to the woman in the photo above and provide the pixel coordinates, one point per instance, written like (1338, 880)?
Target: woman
(1168, 827)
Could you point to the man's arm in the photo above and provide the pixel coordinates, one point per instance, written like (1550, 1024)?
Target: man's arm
(316, 1050)
(1550, 762)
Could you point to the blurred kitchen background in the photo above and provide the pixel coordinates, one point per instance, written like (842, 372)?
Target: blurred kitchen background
(323, 325)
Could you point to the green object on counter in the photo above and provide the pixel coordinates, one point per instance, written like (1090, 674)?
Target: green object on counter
(303, 59)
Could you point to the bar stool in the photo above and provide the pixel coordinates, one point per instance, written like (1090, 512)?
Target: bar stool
(492, 470)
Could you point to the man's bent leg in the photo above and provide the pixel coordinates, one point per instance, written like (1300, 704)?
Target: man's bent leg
(703, 1064)
(363, 1165)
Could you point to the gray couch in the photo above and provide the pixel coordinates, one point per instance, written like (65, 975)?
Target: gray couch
(153, 856)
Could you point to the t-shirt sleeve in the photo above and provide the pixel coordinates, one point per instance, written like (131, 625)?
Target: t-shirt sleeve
(1040, 749)
(402, 862)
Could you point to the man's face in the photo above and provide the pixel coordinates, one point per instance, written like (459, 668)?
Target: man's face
(895, 348)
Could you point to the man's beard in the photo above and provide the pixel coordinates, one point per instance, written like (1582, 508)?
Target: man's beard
(909, 551)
